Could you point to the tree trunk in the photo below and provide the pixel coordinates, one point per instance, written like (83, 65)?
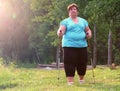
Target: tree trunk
(37, 55)
(94, 48)
(110, 45)
(110, 49)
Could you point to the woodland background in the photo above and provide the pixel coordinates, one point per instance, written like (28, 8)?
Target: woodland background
(28, 29)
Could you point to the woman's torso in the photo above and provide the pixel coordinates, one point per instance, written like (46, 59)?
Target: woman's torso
(75, 35)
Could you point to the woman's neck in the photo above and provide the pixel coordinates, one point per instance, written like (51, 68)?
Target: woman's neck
(75, 19)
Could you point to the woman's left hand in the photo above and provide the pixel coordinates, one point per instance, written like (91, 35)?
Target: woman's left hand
(88, 33)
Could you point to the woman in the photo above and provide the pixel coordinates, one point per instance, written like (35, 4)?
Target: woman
(74, 30)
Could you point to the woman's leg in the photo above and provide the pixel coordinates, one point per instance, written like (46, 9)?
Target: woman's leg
(70, 72)
(69, 57)
(82, 64)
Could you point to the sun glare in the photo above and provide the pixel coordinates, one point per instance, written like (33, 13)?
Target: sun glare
(7, 13)
(5, 9)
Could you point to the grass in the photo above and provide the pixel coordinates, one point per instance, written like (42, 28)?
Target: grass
(33, 79)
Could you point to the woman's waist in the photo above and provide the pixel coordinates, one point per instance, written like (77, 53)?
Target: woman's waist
(78, 44)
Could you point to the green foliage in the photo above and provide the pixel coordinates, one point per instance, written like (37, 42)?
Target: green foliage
(117, 57)
(1, 61)
(28, 28)
(101, 12)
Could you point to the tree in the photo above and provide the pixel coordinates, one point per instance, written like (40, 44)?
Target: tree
(92, 12)
(110, 49)
(14, 34)
(106, 10)
(28, 28)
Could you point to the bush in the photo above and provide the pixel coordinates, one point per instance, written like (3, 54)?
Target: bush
(117, 57)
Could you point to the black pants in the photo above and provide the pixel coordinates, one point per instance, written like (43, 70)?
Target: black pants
(75, 59)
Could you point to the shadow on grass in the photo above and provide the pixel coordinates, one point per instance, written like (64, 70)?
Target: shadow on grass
(101, 86)
(26, 65)
(4, 86)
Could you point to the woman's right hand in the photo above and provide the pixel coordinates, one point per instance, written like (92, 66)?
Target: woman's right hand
(61, 31)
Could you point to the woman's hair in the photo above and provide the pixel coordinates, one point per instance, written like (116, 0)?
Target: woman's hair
(72, 5)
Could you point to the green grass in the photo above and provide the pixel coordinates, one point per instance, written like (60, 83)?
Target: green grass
(33, 79)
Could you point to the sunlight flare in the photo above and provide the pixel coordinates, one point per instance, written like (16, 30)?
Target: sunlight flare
(7, 14)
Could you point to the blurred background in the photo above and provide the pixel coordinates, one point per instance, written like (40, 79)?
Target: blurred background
(28, 30)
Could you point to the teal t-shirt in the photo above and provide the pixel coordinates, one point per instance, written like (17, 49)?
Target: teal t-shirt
(74, 35)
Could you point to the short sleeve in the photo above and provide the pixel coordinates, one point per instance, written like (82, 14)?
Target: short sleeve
(64, 22)
(85, 23)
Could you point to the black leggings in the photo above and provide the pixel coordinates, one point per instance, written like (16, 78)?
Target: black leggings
(75, 59)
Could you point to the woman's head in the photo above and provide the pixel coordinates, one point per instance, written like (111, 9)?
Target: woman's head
(71, 6)
(72, 10)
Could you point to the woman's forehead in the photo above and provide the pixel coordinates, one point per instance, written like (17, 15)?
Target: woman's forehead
(71, 6)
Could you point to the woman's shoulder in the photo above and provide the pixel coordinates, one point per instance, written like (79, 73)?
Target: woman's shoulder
(65, 21)
(83, 19)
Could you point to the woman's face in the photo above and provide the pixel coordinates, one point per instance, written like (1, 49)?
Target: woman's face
(73, 11)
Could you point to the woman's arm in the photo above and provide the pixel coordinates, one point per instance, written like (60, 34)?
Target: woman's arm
(88, 32)
(61, 31)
